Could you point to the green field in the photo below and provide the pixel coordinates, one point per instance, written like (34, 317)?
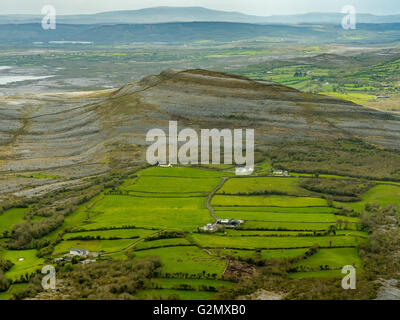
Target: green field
(30, 264)
(186, 260)
(104, 234)
(318, 274)
(332, 258)
(265, 254)
(356, 97)
(196, 283)
(182, 294)
(117, 210)
(295, 226)
(105, 246)
(381, 194)
(183, 172)
(265, 201)
(263, 184)
(174, 199)
(215, 241)
(279, 217)
(161, 243)
(7, 295)
(11, 217)
(277, 209)
(172, 185)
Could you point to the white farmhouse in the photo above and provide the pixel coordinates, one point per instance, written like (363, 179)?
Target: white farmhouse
(165, 165)
(280, 173)
(78, 252)
(244, 171)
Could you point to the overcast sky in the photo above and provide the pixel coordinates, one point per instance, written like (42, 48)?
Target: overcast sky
(257, 7)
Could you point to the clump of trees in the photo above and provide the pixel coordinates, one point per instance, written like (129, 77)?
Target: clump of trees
(5, 265)
(103, 280)
(379, 256)
(339, 189)
(166, 235)
(380, 253)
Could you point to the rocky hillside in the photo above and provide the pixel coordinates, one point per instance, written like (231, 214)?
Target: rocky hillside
(50, 141)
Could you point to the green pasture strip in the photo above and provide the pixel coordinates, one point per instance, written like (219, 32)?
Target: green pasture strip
(331, 259)
(264, 184)
(39, 175)
(11, 217)
(276, 209)
(354, 233)
(283, 254)
(77, 219)
(382, 194)
(359, 98)
(239, 233)
(278, 201)
(215, 241)
(161, 243)
(182, 294)
(191, 260)
(7, 295)
(139, 194)
(30, 264)
(105, 246)
(285, 226)
(318, 274)
(171, 185)
(120, 233)
(334, 176)
(183, 172)
(195, 283)
(172, 214)
(264, 254)
(278, 217)
(388, 182)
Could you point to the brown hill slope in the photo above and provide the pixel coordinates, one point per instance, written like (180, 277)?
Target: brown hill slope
(74, 136)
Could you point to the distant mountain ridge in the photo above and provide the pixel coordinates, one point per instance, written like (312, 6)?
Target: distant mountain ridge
(195, 14)
(189, 32)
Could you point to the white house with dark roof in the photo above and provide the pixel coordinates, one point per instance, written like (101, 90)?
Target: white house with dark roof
(78, 252)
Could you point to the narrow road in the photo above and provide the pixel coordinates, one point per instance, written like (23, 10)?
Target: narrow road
(208, 200)
(132, 244)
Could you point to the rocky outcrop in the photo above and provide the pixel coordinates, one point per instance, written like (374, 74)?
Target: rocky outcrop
(74, 136)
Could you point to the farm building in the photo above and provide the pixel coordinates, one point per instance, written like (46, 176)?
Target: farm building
(244, 171)
(78, 252)
(230, 223)
(165, 165)
(88, 261)
(58, 260)
(209, 228)
(280, 173)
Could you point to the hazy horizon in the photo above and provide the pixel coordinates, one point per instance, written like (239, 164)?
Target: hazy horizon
(251, 7)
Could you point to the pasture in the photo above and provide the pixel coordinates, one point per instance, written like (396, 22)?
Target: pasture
(266, 201)
(332, 259)
(262, 185)
(11, 217)
(277, 226)
(381, 194)
(216, 241)
(162, 213)
(28, 265)
(190, 260)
